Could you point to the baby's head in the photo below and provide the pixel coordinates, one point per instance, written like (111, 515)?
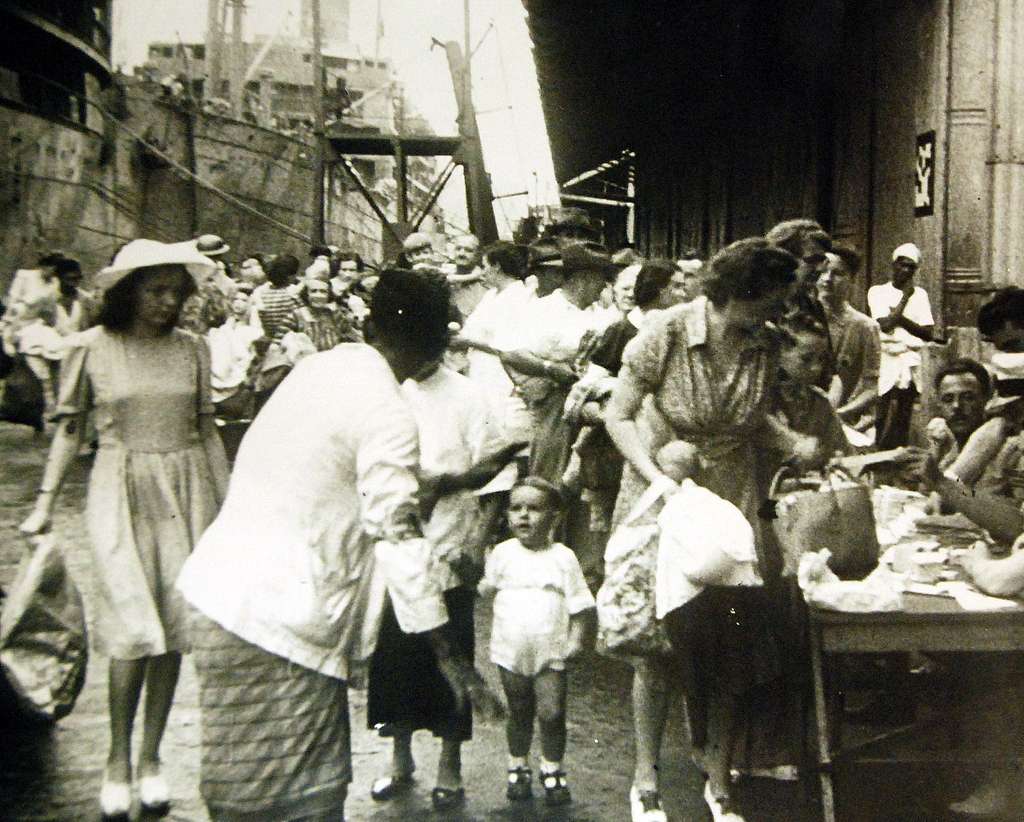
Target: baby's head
(677, 459)
(42, 308)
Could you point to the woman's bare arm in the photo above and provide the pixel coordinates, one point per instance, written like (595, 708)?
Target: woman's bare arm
(620, 422)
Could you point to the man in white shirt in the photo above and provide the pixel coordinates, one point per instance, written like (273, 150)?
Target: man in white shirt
(29, 284)
(499, 321)
(544, 367)
(904, 316)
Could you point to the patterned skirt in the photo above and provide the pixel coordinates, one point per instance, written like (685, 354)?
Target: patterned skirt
(275, 735)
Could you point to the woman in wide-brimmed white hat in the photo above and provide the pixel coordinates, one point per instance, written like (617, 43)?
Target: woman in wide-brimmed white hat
(157, 482)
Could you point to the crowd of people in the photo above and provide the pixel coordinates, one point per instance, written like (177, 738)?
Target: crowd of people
(522, 422)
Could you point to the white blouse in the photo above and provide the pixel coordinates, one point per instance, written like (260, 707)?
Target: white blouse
(456, 430)
(320, 520)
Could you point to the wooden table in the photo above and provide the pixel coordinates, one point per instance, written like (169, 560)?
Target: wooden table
(927, 623)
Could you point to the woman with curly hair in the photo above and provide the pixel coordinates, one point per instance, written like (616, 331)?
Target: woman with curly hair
(702, 372)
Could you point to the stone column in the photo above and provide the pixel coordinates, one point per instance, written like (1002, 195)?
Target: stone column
(1006, 257)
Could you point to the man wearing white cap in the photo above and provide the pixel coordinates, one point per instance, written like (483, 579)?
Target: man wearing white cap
(904, 316)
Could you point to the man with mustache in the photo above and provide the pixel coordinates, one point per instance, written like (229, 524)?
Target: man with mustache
(962, 388)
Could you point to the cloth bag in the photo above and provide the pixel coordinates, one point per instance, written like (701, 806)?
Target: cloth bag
(837, 515)
(43, 644)
(627, 624)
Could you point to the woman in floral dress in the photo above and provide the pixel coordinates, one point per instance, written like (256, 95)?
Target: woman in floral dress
(703, 372)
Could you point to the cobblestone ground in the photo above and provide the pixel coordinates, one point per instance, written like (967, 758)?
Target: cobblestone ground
(54, 774)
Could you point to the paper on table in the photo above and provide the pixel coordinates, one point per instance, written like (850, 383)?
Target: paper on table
(972, 600)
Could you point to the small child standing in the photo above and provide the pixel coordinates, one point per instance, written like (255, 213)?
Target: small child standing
(541, 609)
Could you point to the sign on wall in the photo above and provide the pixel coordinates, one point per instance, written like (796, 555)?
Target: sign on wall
(924, 182)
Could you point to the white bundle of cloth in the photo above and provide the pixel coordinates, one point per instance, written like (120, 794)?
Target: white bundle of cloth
(705, 540)
(881, 590)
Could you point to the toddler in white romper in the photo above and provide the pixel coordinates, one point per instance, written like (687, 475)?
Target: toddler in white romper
(540, 610)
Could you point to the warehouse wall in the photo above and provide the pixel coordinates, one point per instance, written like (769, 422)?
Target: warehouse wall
(833, 134)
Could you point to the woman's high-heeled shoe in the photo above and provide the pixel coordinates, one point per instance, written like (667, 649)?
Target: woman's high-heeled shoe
(115, 800)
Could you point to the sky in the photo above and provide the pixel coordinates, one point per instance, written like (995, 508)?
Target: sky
(505, 91)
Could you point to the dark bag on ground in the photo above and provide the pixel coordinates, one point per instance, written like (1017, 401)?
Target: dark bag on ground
(22, 400)
(43, 646)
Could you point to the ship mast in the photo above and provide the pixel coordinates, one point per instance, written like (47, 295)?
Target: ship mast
(237, 57)
(213, 51)
(319, 141)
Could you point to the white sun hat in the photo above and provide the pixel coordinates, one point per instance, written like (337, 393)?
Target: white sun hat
(145, 253)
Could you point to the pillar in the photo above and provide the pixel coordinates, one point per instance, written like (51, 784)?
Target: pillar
(1007, 147)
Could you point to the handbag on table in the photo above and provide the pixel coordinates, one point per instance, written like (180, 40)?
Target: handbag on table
(836, 514)
(627, 621)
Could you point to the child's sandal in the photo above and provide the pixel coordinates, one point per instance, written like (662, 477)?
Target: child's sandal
(520, 784)
(556, 788)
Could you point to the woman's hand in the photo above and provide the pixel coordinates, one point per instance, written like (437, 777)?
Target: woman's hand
(666, 485)
(975, 556)
(998, 577)
(41, 518)
(574, 402)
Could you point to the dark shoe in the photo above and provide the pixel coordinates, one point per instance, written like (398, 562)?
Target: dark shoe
(447, 798)
(556, 788)
(520, 784)
(388, 787)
